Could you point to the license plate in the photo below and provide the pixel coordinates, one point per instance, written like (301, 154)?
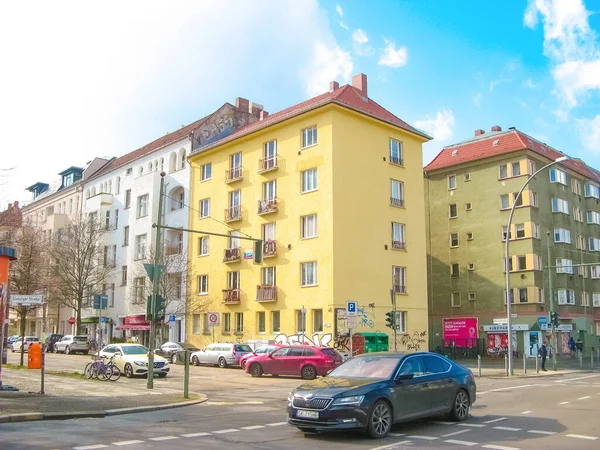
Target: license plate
(307, 414)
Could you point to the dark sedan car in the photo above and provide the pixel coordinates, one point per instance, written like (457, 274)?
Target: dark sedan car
(375, 390)
(169, 350)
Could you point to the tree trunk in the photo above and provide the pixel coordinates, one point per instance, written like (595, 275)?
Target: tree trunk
(79, 300)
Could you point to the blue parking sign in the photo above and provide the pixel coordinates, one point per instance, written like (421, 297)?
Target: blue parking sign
(171, 318)
(351, 308)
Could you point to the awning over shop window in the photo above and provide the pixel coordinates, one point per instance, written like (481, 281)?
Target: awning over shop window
(135, 323)
(134, 327)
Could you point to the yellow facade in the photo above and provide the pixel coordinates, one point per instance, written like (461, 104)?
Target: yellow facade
(353, 243)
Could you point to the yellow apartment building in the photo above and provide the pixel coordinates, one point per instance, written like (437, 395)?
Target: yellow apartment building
(334, 188)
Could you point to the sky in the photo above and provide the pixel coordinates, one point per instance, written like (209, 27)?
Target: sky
(86, 79)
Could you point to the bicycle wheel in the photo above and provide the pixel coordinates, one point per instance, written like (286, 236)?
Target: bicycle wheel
(103, 372)
(115, 373)
(88, 372)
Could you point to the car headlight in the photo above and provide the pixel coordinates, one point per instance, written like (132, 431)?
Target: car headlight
(139, 363)
(291, 397)
(166, 363)
(354, 400)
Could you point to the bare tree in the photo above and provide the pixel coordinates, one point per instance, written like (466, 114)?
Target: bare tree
(80, 263)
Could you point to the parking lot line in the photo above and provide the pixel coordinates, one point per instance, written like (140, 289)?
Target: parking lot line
(202, 433)
(582, 436)
(164, 438)
(467, 443)
(496, 420)
(128, 442)
(507, 429)
(499, 447)
(228, 430)
(549, 433)
(476, 425)
(253, 427)
(455, 433)
(391, 446)
(276, 424)
(425, 438)
(90, 447)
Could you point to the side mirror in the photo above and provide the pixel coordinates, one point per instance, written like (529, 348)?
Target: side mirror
(118, 353)
(404, 377)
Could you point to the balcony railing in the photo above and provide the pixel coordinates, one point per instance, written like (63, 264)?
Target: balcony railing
(396, 201)
(398, 245)
(173, 250)
(396, 160)
(234, 213)
(233, 174)
(269, 249)
(267, 164)
(267, 206)
(231, 296)
(266, 293)
(398, 289)
(232, 255)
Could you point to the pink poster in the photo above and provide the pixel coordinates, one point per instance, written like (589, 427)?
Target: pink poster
(460, 332)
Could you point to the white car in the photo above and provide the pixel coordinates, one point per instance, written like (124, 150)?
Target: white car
(16, 346)
(132, 359)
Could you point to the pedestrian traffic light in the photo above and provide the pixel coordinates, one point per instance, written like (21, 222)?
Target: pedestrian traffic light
(554, 318)
(258, 251)
(389, 318)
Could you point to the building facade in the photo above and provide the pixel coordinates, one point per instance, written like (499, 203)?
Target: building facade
(470, 188)
(333, 188)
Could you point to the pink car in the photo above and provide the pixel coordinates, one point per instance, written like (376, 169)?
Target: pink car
(259, 351)
(305, 361)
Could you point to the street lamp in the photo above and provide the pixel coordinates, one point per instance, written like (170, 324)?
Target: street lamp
(507, 266)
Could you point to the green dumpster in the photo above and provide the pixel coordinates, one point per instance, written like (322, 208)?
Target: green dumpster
(376, 342)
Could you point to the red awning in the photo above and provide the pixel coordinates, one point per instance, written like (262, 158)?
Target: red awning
(134, 327)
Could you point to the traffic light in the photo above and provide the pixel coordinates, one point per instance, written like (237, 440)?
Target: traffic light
(258, 251)
(389, 318)
(159, 310)
(554, 318)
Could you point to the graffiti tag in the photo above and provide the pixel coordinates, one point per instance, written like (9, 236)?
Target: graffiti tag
(317, 340)
(413, 342)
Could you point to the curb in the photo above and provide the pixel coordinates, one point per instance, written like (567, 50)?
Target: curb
(33, 416)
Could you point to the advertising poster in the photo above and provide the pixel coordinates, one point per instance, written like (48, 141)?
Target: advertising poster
(460, 332)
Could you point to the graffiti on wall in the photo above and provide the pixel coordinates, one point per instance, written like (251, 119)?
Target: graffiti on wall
(413, 342)
(318, 340)
(366, 319)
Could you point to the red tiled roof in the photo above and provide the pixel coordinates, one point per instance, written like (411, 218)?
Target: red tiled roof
(505, 142)
(347, 96)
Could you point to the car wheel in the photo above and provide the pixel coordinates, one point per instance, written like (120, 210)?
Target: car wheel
(174, 358)
(195, 361)
(222, 363)
(379, 421)
(256, 370)
(460, 408)
(55, 349)
(128, 371)
(309, 372)
(243, 365)
(308, 430)
(12, 349)
(67, 350)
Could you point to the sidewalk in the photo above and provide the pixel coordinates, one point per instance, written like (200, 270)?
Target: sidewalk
(70, 396)
(497, 369)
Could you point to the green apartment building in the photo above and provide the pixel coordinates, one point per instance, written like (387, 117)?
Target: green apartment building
(470, 188)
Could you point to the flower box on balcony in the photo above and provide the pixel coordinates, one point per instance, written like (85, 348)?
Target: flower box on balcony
(232, 255)
(231, 296)
(267, 206)
(266, 293)
(269, 249)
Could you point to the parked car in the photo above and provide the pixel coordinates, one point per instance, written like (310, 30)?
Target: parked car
(16, 345)
(305, 361)
(169, 350)
(222, 355)
(72, 344)
(258, 351)
(132, 359)
(51, 340)
(12, 339)
(375, 390)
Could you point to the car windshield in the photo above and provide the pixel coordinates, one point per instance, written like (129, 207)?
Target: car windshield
(366, 367)
(264, 349)
(80, 339)
(243, 348)
(329, 352)
(134, 350)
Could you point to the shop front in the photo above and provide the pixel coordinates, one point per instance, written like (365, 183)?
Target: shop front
(135, 328)
(497, 338)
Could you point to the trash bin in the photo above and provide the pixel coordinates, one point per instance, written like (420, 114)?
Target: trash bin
(34, 359)
(376, 342)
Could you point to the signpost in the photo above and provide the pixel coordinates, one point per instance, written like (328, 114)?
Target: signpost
(26, 300)
(214, 319)
(72, 320)
(351, 314)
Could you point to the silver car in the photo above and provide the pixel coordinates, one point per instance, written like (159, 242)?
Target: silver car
(222, 355)
(72, 344)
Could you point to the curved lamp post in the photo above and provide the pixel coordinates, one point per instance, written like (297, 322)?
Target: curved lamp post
(507, 265)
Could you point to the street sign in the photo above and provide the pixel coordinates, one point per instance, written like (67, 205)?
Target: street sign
(171, 318)
(100, 301)
(351, 308)
(501, 321)
(102, 319)
(72, 321)
(562, 327)
(542, 320)
(214, 319)
(26, 300)
(352, 322)
(341, 314)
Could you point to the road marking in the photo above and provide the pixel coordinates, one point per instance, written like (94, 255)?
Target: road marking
(233, 403)
(276, 424)
(90, 447)
(496, 420)
(391, 446)
(127, 442)
(526, 412)
(164, 438)
(584, 398)
(507, 428)
(476, 425)
(499, 447)
(425, 438)
(579, 378)
(582, 436)
(561, 403)
(468, 443)
(549, 433)
(396, 434)
(443, 423)
(196, 434)
(254, 427)
(228, 430)
(455, 433)
(504, 389)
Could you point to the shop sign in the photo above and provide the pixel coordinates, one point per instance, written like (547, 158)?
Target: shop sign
(562, 327)
(504, 328)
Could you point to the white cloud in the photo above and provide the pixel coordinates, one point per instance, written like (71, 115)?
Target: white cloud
(330, 63)
(361, 46)
(528, 83)
(344, 26)
(530, 18)
(339, 10)
(576, 78)
(589, 132)
(360, 37)
(506, 74)
(393, 57)
(477, 99)
(441, 128)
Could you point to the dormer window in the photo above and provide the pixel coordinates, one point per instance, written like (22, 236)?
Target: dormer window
(67, 180)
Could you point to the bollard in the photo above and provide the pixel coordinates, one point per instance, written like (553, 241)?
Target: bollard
(479, 366)
(524, 364)
(592, 360)
(537, 364)
(580, 355)
(506, 364)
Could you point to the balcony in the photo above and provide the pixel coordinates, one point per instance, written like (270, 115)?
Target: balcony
(396, 160)
(233, 214)
(399, 245)
(233, 174)
(232, 255)
(269, 249)
(173, 250)
(231, 296)
(399, 289)
(396, 202)
(267, 206)
(266, 293)
(268, 164)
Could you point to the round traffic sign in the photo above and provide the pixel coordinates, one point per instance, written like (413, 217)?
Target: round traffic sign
(213, 318)
(72, 320)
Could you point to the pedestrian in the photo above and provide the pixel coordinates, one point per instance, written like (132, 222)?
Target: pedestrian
(544, 355)
(572, 346)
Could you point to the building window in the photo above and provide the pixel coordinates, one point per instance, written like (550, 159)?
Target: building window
(261, 324)
(575, 186)
(196, 323)
(126, 236)
(124, 276)
(142, 206)
(270, 191)
(595, 272)
(116, 221)
(531, 167)
(202, 284)
(226, 322)
(396, 152)
(205, 208)
(468, 206)
(585, 299)
(233, 280)
(399, 279)
(205, 327)
(579, 242)
(107, 221)
(520, 230)
(453, 211)
(502, 171)
(471, 266)
(469, 235)
(593, 217)
(451, 182)
(309, 180)
(504, 202)
(139, 292)
(467, 177)
(317, 320)
(300, 321)
(269, 276)
(522, 295)
(203, 245)
(592, 191)
(517, 199)
(455, 299)
(453, 240)
(560, 205)
(127, 198)
(239, 322)
(536, 230)
(558, 176)
(275, 321)
(455, 270)
(521, 262)
(70, 206)
(118, 186)
(206, 172)
(309, 273)
(512, 296)
(516, 169)
(596, 300)
(578, 214)
(396, 193)
(140, 246)
(269, 155)
(566, 297)
(309, 226)
(309, 136)
(562, 235)
(594, 244)
(472, 296)
(398, 236)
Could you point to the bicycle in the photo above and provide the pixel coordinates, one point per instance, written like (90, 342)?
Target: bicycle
(102, 371)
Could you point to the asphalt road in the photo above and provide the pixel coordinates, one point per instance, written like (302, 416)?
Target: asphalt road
(533, 413)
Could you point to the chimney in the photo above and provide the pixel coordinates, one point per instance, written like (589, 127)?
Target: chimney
(16, 204)
(360, 82)
(333, 86)
(263, 115)
(243, 104)
(496, 128)
(479, 132)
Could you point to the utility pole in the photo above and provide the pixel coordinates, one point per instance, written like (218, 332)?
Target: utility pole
(393, 297)
(155, 280)
(552, 306)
